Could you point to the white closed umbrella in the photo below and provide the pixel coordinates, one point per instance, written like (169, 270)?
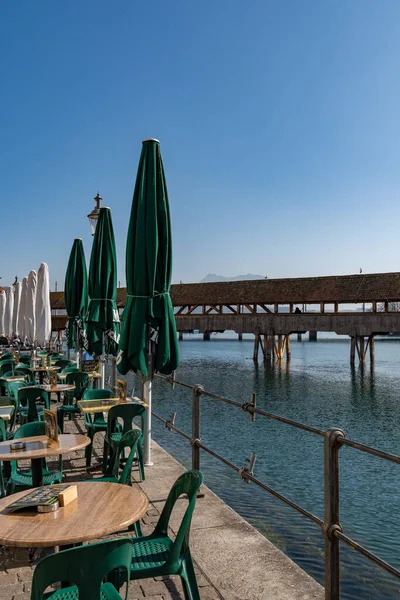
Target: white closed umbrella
(17, 303)
(8, 315)
(21, 316)
(30, 307)
(43, 310)
(3, 303)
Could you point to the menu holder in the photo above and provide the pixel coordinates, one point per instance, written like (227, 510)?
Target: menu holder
(46, 498)
(89, 366)
(51, 427)
(121, 388)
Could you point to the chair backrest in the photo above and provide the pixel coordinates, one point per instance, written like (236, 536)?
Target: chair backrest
(6, 365)
(30, 430)
(70, 369)
(14, 386)
(10, 401)
(63, 363)
(3, 432)
(6, 355)
(129, 440)
(28, 397)
(86, 567)
(126, 412)
(26, 360)
(100, 394)
(80, 380)
(22, 369)
(187, 484)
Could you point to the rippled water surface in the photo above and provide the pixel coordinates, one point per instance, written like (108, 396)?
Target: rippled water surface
(318, 388)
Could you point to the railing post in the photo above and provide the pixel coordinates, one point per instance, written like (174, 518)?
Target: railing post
(197, 391)
(331, 521)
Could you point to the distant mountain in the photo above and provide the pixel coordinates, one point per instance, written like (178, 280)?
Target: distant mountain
(211, 277)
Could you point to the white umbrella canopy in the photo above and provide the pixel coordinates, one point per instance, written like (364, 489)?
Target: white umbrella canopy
(30, 307)
(43, 310)
(8, 315)
(3, 302)
(21, 316)
(17, 302)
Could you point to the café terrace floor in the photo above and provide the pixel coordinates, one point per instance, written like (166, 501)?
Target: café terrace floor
(233, 561)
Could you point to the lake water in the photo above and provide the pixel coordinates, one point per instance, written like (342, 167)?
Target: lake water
(318, 388)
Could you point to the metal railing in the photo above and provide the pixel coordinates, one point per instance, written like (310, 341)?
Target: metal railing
(334, 439)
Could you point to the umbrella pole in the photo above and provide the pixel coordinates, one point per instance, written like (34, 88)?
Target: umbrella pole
(147, 383)
(103, 361)
(77, 346)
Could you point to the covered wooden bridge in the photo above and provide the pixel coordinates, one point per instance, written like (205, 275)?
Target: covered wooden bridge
(360, 306)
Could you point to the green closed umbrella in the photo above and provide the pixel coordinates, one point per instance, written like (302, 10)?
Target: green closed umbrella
(148, 314)
(102, 317)
(76, 297)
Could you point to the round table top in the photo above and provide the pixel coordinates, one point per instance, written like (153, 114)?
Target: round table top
(36, 446)
(14, 378)
(49, 368)
(58, 387)
(100, 509)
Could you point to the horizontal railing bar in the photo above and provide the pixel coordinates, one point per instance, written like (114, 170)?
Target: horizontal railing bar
(246, 407)
(369, 450)
(265, 487)
(372, 557)
(169, 424)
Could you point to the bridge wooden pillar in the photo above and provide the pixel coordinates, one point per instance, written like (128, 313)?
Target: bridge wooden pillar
(273, 347)
(181, 336)
(312, 336)
(206, 336)
(360, 344)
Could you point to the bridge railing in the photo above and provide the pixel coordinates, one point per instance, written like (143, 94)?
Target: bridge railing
(333, 439)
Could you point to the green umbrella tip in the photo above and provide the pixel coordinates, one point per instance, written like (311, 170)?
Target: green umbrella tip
(151, 139)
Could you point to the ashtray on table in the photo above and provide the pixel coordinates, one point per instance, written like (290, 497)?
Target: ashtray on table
(15, 446)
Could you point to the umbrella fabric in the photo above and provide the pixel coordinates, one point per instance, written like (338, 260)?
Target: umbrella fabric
(21, 316)
(30, 307)
(148, 272)
(43, 309)
(8, 315)
(17, 302)
(3, 301)
(76, 295)
(102, 315)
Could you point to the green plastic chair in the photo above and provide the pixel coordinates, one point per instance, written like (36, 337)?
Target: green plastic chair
(63, 363)
(21, 480)
(24, 370)
(26, 360)
(69, 407)
(13, 387)
(127, 413)
(6, 356)
(96, 423)
(129, 440)
(29, 409)
(6, 366)
(157, 555)
(3, 438)
(86, 567)
(10, 401)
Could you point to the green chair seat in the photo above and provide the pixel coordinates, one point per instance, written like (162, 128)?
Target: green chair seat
(23, 479)
(107, 592)
(150, 554)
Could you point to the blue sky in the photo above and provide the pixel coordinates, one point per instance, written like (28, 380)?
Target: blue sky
(279, 125)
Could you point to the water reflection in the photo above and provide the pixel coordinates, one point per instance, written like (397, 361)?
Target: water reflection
(317, 387)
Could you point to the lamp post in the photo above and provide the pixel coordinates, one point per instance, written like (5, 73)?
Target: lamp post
(94, 215)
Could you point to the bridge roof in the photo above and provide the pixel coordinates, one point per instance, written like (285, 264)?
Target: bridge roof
(345, 289)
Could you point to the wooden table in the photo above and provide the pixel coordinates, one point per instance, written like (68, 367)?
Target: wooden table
(14, 378)
(101, 509)
(96, 406)
(6, 412)
(59, 387)
(37, 448)
(43, 370)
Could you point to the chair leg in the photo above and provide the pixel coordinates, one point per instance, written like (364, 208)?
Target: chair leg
(105, 455)
(140, 462)
(10, 489)
(189, 582)
(60, 420)
(88, 449)
(136, 528)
